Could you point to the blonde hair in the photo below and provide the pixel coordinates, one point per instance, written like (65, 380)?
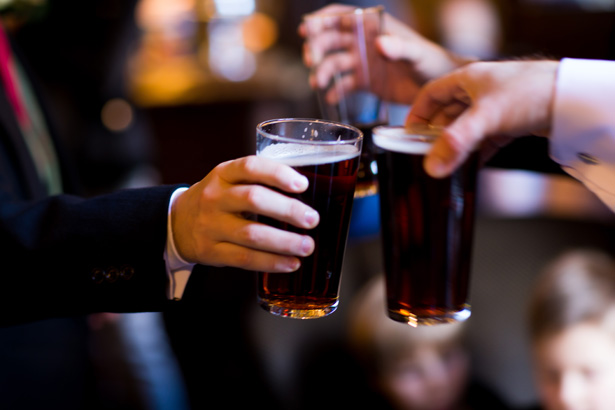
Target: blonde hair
(577, 287)
(377, 340)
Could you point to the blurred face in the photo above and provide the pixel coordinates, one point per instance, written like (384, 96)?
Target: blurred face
(576, 369)
(433, 377)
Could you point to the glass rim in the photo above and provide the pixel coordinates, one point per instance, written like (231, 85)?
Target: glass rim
(419, 132)
(259, 129)
(379, 9)
(427, 132)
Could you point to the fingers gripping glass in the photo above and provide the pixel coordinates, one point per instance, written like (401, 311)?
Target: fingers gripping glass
(346, 72)
(327, 153)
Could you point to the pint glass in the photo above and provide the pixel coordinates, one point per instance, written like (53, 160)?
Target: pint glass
(327, 154)
(354, 70)
(427, 230)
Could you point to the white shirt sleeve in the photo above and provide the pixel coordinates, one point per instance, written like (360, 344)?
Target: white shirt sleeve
(582, 136)
(178, 270)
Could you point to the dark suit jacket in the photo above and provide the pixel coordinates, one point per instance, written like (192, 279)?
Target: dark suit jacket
(66, 255)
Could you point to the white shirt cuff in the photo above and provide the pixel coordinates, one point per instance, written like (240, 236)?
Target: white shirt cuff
(582, 136)
(178, 270)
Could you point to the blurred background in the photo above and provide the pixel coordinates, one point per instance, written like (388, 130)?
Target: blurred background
(180, 86)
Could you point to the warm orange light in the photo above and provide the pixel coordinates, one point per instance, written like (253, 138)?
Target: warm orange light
(150, 13)
(260, 32)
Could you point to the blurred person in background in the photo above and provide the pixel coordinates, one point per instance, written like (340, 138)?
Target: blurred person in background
(572, 331)
(423, 368)
(389, 365)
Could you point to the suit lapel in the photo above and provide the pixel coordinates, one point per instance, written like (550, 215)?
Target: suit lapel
(70, 180)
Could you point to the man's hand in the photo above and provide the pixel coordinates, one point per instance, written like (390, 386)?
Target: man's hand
(210, 225)
(401, 60)
(499, 100)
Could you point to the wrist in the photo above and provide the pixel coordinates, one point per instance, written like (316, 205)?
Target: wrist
(548, 77)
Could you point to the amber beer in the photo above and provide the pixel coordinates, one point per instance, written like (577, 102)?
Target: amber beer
(312, 291)
(427, 230)
(367, 177)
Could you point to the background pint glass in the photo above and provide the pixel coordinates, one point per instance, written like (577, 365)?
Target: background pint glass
(427, 230)
(327, 154)
(355, 104)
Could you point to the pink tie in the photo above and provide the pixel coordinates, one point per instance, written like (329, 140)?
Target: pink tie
(7, 71)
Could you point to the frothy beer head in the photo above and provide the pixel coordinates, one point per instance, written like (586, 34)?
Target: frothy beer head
(406, 141)
(297, 155)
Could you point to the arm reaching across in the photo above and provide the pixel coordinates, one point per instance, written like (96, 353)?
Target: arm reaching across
(569, 101)
(66, 255)
(499, 100)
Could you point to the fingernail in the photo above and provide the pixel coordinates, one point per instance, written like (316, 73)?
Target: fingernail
(307, 246)
(311, 217)
(300, 183)
(293, 265)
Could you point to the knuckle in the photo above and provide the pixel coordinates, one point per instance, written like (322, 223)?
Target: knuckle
(456, 141)
(290, 245)
(281, 170)
(276, 263)
(209, 196)
(250, 164)
(477, 68)
(295, 210)
(243, 258)
(253, 196)
(219, 172)
(208, 253)
(221, 167)
(251, 234)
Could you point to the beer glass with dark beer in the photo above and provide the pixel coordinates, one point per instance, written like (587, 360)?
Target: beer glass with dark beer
(354, 70)
(427, 230)
(327, 154)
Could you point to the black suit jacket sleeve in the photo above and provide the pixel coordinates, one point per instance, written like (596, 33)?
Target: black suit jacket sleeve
(65, 255)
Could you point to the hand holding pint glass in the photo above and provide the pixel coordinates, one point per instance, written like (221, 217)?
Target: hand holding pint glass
(340, 49)
(327, 154)
(427, 229)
